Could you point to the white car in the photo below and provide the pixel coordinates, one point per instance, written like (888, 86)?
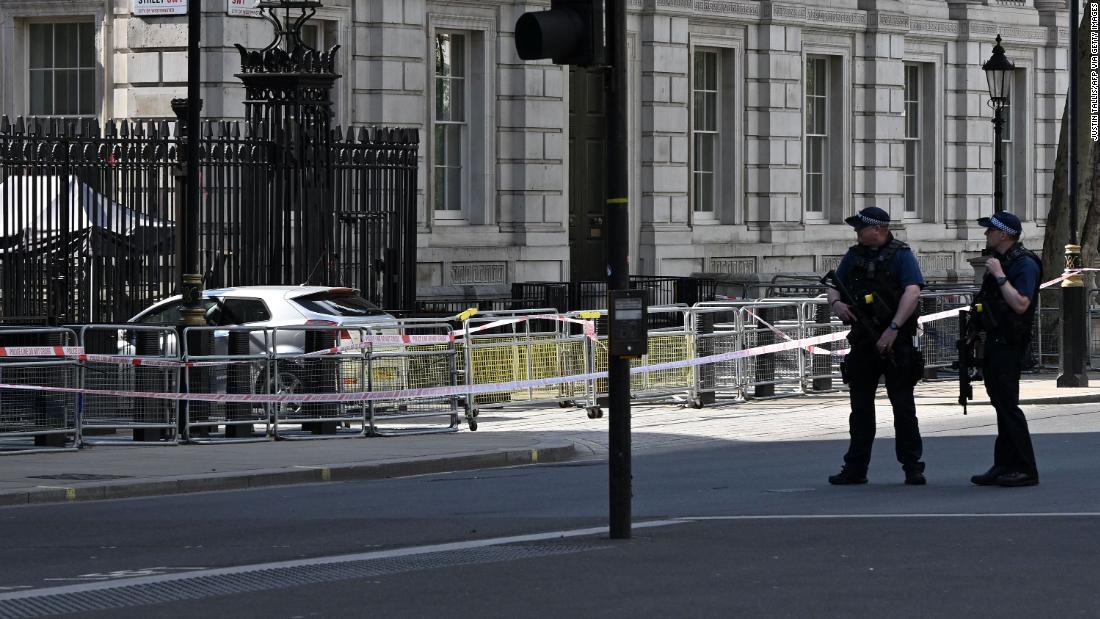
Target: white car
(271, 307)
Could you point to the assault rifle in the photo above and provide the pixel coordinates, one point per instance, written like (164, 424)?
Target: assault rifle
(969, 331)
(864, 322)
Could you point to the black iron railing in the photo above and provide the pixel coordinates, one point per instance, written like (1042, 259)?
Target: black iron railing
(87, 213)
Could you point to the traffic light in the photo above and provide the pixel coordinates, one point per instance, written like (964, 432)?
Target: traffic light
(571, 32)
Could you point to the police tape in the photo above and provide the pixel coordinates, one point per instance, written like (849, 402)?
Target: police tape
(1065, 276)
(40, 351)
(588, 326)
(431, 392)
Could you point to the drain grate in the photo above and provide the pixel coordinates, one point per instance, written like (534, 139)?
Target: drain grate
(79, 477)
(181, 587)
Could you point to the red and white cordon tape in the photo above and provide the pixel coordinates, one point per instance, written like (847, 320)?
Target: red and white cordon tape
(588, 326)
(367, 341)
(40, 351)
(433, 392)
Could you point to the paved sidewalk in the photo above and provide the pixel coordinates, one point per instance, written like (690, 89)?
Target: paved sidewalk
(507, 438)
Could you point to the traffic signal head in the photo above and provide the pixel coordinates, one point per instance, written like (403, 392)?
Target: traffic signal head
(571, 32)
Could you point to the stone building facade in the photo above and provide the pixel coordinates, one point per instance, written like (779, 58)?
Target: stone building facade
(755, 126)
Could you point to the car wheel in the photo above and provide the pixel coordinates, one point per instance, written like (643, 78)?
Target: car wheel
(286, 382)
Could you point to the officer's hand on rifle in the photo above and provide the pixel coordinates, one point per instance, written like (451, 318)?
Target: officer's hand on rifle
(843, 312)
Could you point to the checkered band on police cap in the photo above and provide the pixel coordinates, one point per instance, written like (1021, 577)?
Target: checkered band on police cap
(871, 221)
(997, 223)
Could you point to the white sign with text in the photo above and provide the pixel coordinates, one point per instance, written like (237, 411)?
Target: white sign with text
(243, 8)
(158, 7)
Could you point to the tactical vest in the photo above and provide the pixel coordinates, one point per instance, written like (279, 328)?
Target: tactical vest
(1015, 328)
(871, 276)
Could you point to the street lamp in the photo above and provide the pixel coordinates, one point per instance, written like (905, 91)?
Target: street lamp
(998, 73)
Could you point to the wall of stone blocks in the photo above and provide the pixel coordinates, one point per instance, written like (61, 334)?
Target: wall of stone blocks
(518, 228)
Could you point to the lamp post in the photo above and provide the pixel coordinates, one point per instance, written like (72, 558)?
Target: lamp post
(998, 73)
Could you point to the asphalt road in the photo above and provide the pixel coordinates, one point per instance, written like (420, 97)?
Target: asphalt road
(730, 529)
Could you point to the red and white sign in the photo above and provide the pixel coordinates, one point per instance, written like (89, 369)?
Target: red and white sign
(145, 8)
(243, 8)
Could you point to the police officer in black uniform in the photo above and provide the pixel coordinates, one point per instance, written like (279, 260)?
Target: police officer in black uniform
(884, 281)
(1008, 296)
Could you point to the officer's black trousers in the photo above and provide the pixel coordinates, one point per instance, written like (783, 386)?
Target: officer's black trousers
(864, 367)
(1001, 372)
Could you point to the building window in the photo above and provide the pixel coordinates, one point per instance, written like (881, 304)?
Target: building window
(914, 135)
(61, 69)
(817, 135)
(706, 156)
(449, 123)
(1008, 134)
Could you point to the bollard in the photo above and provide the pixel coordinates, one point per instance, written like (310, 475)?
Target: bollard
(821, 365)
(200, 342)
(147, 343)
(238, 379)
(765, 364)
(320, 378)
(704, 326)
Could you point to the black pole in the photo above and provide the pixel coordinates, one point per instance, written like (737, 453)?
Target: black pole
(190, 280)
(187, 224)
(617, 222)
(1074, 295)
(998, 159)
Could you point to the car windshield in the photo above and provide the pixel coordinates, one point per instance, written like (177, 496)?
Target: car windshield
(338, 303)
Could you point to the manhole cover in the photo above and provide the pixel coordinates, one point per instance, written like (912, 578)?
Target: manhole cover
(79, 477)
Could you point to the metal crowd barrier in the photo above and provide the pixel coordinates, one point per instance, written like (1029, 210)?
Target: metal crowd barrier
(131, 358)
(505, 348)
(938, 338)
(821, 366)
(671, 340)
(313, 371)
(715, 329)
(231, 360)
(32, 421)
(423, 357)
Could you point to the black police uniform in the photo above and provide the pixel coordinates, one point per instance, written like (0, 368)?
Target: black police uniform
(878, 272)
(1007, 337)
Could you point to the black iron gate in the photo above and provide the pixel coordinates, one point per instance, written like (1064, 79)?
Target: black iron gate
(87, 214)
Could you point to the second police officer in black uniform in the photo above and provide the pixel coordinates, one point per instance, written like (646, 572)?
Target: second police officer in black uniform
(1008, 297)
(878, 294)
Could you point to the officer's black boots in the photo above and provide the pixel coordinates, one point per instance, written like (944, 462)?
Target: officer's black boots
(1000, 476)
(988, 478)
(915, 478)
(1016, 479)
(848, 477)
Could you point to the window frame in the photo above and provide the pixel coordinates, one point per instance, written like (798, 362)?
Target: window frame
(729, 187)
(463, 129)
(481, 190)
(14, 45)
(930, 57)
(840, 115)
(52, 69)
(715, 132)
(916, 162)
(1019, 155)
(825, 139)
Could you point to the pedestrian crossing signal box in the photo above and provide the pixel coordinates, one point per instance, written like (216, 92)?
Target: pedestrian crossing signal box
(628, 335)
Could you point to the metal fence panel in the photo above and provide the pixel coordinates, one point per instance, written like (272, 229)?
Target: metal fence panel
(409, 357)
(321, 370)
(144, 359)
(38, 420)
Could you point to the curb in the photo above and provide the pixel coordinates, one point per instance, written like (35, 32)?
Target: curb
(1086, 398)
(290, 476)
